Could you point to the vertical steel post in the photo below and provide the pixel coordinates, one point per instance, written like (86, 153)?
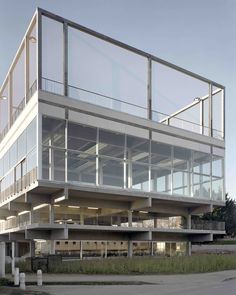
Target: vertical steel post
(65, 58)
(223, 114)
(149, 89)
(39, 49)
(26, 68)
(210, 111)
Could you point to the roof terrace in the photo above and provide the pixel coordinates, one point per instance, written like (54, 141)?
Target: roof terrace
(62, 57)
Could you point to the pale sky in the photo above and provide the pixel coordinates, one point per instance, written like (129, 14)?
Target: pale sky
(198, 35)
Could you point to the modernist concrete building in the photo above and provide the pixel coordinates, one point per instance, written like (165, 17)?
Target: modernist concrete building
(103, 143)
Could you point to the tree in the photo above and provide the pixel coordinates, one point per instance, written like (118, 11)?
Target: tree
(226, 214)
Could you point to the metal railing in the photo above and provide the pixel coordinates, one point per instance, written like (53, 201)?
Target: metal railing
(19, 185)
(127, 107)
(19, 109)
(207, 225)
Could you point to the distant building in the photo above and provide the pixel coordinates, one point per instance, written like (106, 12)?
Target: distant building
(105, 147)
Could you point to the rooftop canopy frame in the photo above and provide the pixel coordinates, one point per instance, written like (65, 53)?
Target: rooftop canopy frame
(205, 128)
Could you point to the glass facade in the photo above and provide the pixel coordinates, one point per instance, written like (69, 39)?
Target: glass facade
(18, 161)
(87, 67)
(62, 58)
(96, 156)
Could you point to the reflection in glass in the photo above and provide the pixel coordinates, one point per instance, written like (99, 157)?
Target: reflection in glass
(81, 167)
(82, 138)
(114, 73)
(140, 176)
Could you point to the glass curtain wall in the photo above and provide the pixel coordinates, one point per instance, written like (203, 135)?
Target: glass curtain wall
(20, 84)
(88, 68)
(18, 161)
(91, 155)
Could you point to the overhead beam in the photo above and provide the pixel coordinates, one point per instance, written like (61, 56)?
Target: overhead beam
(31, 234)
(97, 203)
(143, 236)
(59, 234)
(37, 199)
(201, 238)
(19, 207)
(61, 196)
(15, 236)
(4, 238)
(98, 235)
(141, 204)
(169, 210)
(201, 209)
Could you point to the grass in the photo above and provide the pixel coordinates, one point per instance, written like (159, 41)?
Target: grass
(173, 265)
(145, 265)
(17, 291)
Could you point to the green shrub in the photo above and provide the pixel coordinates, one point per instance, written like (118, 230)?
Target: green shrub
(5, 282)
(150, 265)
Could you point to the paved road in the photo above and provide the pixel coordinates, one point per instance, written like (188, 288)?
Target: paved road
(197, 284)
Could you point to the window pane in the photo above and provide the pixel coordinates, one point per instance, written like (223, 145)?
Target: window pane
(31, 133)
(181, 183)
(6, 162)
(140, 176)
(161, 180)
(182, 159)
(217, 103)
(32, 44)
(206, 130)
(21, 146)
(206, 187)
(59, 165)
(111, 71)
(52, 55)
(201, 163)
(161, 154)
(138, 149)
(111, 144)
(4, 118)
(81, 167)
(112, 172)
(82, 138)
(173, 90)
(217, 189)
(53, 132)
(217, 166)
(31, 160)
(18, 86)
(13, 154)
(45, 160)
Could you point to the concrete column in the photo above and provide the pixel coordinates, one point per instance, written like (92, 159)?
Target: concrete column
(31, 217)
(155, 222)
(81, 218)
(189, 221)
(81, 250)
(12, 258)
(32, 248)
(16, 249)
(152, 249)
(130, 248)
(189, 248)
(130, 218)
(105, 256)
(51, 214)
(2, 259)
(52, 247)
